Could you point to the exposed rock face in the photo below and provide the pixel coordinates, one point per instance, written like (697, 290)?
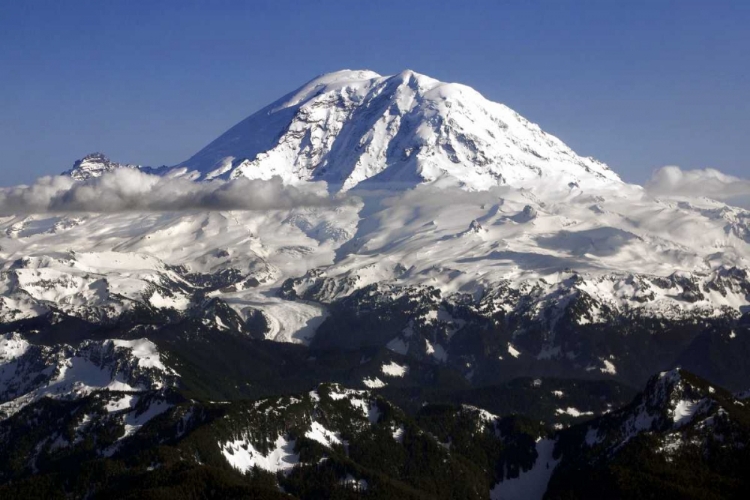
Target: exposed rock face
(680, 423)
(94, 165)
(30, 372)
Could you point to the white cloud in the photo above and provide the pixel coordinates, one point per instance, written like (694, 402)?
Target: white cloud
(709, 182)
(133, 190)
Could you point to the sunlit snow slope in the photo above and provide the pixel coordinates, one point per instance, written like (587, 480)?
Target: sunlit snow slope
(457, 216)
(349, 127)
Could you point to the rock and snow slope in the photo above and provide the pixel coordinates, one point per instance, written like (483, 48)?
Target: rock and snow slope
(94, 165)
(349, 127)
(31, 372)
(680, 423)
(487, 222)
(660, 256)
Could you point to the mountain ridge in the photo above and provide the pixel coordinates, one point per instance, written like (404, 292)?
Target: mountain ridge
(509, 293)
(358, 128)
(389, 106)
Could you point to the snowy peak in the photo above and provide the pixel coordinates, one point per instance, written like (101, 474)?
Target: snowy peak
(352, 127)
(672, 403)
(679, 423)
(677, 395)
(33, 372)
(327, 82)
(93, 165)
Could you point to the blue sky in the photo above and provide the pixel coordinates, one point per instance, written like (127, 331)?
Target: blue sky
(636, 84)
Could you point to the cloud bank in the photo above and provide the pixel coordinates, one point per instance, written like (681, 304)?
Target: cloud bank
(708, 182)
(124, 190)
(132, 190)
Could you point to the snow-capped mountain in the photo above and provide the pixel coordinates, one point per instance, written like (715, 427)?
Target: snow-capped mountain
(349, 127)
(458, 250)
(505, 255)
(94, 165)
(680, 424)
(30, 372)
(351, 442)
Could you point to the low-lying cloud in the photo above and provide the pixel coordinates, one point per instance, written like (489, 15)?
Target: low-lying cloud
(126, 190)
(132, 190)
(708, 182)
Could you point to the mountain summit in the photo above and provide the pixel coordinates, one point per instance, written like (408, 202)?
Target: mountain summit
(354, 127)
(139, 309)
(93, 165)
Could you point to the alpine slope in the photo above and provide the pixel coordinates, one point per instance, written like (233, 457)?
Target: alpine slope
(459, 236)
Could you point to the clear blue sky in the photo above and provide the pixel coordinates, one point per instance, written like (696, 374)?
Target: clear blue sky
(637, 84)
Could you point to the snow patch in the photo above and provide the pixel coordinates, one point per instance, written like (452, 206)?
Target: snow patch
(125, 402)
(573, 412)
(146, 352)
(530, 484)
(243, 456)
(513, 351)
(12, 346)
(398, 433)
(133, 421)
(683, 412)
(322, 435)
(373, 383)
(609, 367)
(394, 369)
